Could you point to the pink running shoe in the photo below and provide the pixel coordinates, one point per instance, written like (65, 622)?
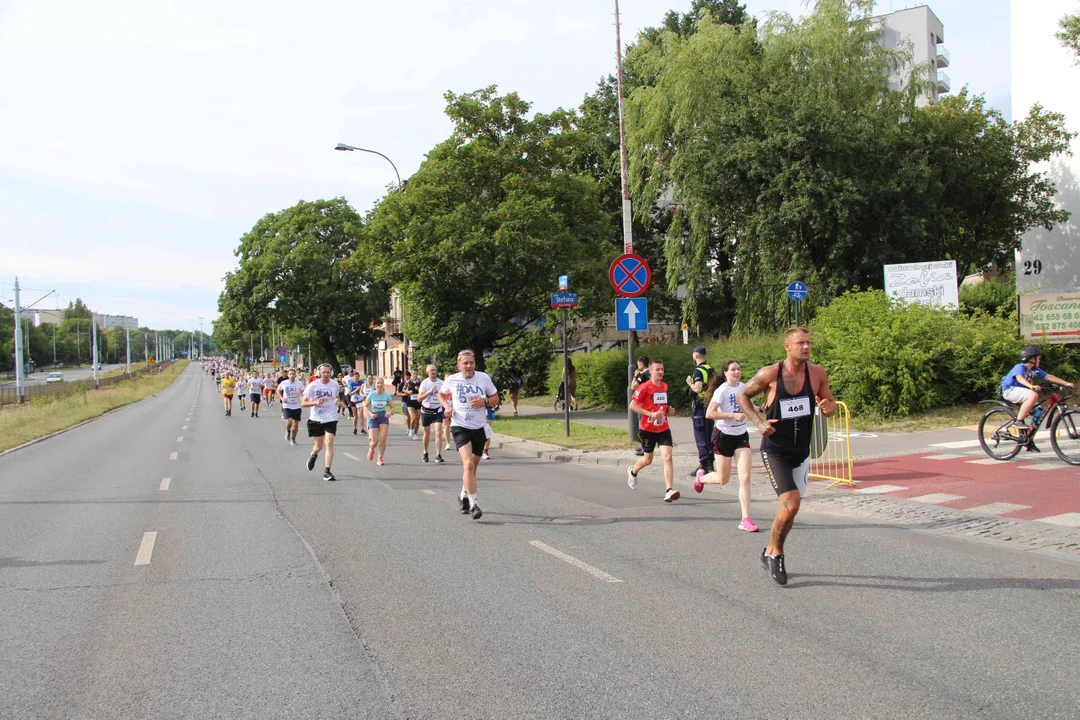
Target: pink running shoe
(370, 454)
(381, 461)
(698, 485)
(748, 525)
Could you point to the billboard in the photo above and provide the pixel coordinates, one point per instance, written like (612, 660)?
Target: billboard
(928, 283)
(1050, 319)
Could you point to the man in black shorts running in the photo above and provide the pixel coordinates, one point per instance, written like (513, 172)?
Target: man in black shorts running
(322, 397)
(795, 388)
(466, 396)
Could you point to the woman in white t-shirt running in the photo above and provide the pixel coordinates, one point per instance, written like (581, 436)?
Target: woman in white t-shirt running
(730, 439)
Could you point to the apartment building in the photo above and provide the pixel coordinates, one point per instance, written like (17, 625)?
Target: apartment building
(919, 30)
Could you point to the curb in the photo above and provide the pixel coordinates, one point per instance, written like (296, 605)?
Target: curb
(108, 412)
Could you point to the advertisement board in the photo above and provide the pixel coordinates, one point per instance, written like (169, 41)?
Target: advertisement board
(1052, 319)
(928, 283)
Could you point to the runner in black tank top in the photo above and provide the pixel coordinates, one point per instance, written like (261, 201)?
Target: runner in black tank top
(794, 415)
(785, 441)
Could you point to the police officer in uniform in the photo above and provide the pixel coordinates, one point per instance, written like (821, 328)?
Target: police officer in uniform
(696, 383)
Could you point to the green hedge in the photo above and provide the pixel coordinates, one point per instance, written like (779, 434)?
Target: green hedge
(883, 358)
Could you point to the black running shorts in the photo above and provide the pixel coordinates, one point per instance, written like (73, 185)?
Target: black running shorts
(430, 417)
(318, 429)
(726, 445)
(465, 436)
(291, 414)
(785, 475)
(255, 398)
(649, 440)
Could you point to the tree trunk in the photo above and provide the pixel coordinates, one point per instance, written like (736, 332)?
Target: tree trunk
(331, 353)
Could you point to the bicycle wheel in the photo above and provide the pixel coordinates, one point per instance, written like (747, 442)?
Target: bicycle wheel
(1065, 436)
(994, 435)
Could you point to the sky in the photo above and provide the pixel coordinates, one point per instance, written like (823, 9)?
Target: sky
(140, 139)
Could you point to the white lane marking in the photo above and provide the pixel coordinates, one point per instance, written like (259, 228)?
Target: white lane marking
(172, 456)
(1044, 466)
(353, 457)
(997, 508)
(575, 562)
(164, 484)
(942, 457)
(880, 489)
(180, 439)
(937, 498)
(184, 427)
(984, 461)
(146, 548)
(956, 445)
(430, 492)
(1068, 520)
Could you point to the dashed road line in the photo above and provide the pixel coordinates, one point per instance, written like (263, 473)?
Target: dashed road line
(984, 461)
(595, 572)
(937, 498)
(946, 456)
(1068, 520)
(180, 439)
(184, 427)
(353, 457)
(164, 484)
(146, 548)
(879, 489)
(430, 492)
(997, 508)
(172, 456)
(1044, 466)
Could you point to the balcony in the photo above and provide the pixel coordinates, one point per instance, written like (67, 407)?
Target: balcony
(944, 85)
(942, 57)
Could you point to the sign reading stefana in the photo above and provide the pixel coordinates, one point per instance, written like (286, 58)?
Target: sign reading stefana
(928, 283)
(1052, 319)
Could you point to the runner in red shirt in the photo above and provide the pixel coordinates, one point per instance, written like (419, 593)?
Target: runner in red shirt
(650, 400)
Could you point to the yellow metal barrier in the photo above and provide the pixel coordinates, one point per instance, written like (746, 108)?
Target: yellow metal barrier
(831, 459)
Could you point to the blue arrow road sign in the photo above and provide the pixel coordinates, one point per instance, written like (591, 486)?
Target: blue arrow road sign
(797, 291)
(631, 314)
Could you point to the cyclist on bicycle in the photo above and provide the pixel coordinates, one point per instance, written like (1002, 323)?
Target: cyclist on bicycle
(1019, 386)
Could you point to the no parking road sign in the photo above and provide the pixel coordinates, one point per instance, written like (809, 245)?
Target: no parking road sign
(630, 275)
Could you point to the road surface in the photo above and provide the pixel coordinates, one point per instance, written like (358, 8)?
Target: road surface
(69, 375)
(166, 561)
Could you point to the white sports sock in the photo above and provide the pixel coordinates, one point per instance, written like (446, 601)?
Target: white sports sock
(472, 500)
(463, 493)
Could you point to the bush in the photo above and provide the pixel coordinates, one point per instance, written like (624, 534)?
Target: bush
(531, 354)
(989, 298)
(893, 359)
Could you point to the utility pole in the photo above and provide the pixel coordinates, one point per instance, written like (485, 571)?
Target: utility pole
(200, 339)
(19, 380)
(627, 218)
(94, 352)
(127, 370)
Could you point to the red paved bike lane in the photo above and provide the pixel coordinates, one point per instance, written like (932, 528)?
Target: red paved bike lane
(1030, 487)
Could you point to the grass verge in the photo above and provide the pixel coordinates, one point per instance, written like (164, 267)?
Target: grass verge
(46, 415)
(549, 430)
(937, 419)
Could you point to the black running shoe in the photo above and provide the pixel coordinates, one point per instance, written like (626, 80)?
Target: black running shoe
(363, 431)
(477, 513)
(328, 476)
(464, 503)
(311, 461)
(764, 561)
(777, 569)
(1032, 447)
(439, 459)
(426, 458)
(354, 431)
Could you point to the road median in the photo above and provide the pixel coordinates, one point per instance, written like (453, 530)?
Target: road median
(44, 416)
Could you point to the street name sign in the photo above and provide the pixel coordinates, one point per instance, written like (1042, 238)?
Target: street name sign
(563, 300)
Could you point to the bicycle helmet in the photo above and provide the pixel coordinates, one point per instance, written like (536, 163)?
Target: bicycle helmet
(1031, 351)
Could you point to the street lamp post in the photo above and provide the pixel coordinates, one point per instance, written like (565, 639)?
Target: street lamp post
(400, 186)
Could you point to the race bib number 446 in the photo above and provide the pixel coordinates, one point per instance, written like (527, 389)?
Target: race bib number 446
(794, 408)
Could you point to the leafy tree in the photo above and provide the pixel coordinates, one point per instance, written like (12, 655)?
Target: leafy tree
(1069, 35)
(786, 156)
(77, 310)
(490, 220)
(296, 267)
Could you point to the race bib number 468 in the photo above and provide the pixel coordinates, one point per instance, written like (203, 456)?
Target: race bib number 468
(794, 407)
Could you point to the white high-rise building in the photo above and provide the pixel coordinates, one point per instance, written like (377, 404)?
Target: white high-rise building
(919, 30)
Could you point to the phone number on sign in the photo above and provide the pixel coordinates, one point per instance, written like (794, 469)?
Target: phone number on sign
(1052, 316)
(1073, 325)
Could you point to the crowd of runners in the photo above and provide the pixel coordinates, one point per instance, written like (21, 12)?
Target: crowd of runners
(455, 412)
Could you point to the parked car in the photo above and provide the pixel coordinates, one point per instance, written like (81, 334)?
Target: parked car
(54, 377)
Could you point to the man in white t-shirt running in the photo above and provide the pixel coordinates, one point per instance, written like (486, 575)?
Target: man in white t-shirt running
(466, 396)
(431, 411)
(291, 393)
(242, 390)
(321, 396)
